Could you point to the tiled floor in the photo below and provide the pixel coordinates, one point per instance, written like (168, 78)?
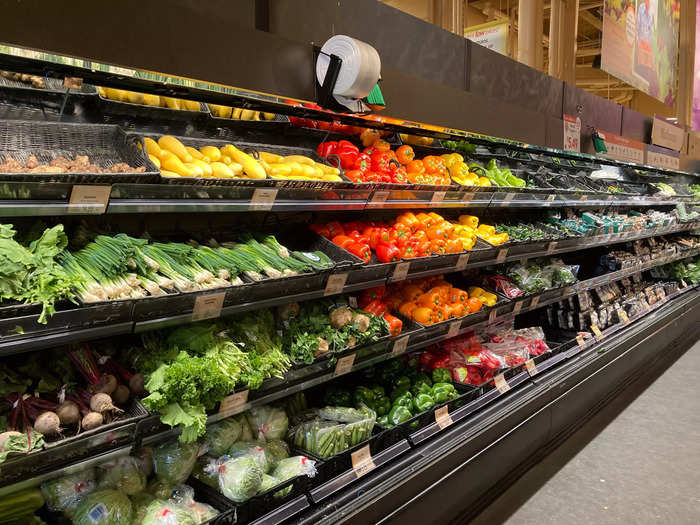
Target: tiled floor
(636, 462)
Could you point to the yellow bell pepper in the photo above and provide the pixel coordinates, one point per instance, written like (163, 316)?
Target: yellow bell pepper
(499, 238)
(486, 229)
(469, 220)
(483, 181)
(475, 291)
(488, 298)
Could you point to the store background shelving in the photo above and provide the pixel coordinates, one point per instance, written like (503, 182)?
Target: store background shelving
(94, 323)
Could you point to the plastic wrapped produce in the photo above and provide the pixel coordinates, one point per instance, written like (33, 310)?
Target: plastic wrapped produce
(291, 468)
(140, 503)
(267, 422)
(124, 474)
(104, 507)
(220, 436)
(334, 430)
(203, 474)
(276, 449)
(240, 478)
(246, 432)
(253, 449)
(145, 458)
(203, 511)
(268, 482)
(63, 494)
(169, 513)
(173, 462)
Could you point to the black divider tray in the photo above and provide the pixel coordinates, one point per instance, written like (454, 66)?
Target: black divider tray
(273, 509)
(10, 309)
(448, 260)
(104, 145)
(62, 452)
(203, 493)
(72, 317)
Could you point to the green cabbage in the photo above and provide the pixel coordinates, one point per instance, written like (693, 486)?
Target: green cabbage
(268, 482)
(145, 460)
(139, 503)
(203, 511)
(268, 422)
(240, 478)
(173, 462)
(160, 489)
(64, 494)
(252, 449)
(124, 474)
(276, 449)
(246, 432)
(289, 468)
(104, 507)
(220, 436)
(169, 513)
(207, 476)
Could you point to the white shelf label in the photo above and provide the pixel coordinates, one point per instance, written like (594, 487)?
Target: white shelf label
(82, 196)
(336, 283)
(208, 306)
(263, 199)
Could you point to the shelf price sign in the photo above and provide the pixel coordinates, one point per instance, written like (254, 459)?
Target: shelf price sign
(400, 346)
(234, 401)
(462, 262)
(208, 306)
(400, 271)
(531, 367)
(336, 283)
(263, 199)
(362, 461)
(89, 199)
(572, 133)
(442, 417)
(501, 383)
(344, 365)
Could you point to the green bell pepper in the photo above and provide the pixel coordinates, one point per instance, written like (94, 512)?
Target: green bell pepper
(384, 421)
(338, 397)
(421, 387)
(443, 392)
(382, 405)
(442, 375)
(401, 381)
(363, 396)
(405, 399)
(390, 371)
(378, 391)
(397, 392)
(422, 402)
(399, 414)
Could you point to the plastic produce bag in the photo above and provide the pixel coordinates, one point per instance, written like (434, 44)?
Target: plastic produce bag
(203, 474)
(63, 494)
(333, 431)
(220, 436)
(252, 449)
(145, 459)
(503, 285)
(173, 461)
(246, 432)
(203, 511)
(169, 513)
(267, 422)
(124, 474)
(140, 503)
(104, 507)
(183, 494)
(240, 478)
(291, 468)
(276, 449)
(268, 482)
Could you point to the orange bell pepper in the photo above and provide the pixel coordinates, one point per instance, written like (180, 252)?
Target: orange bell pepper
(407, 308)
(474, 304)
(426, 219)
(429, 299)
(453, 246)
(409, 220)
(437, 246)
(394, 324)
(436, 217)
(395, 301)
(411, 292)
(444, 292)
(457, 310)
(458, 296)
(424, 284)
(423, 315)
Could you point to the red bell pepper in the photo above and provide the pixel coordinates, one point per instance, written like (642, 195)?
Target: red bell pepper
(343, 241)
(399, 175)
(363, 162)
(335, 228)
(387, 252)
(381, 161)
(354, 175)
(321, 229)
(410, 249)
(376, 307)
(327, 148)
(360, 250)
(348, 154)
(370, 150)
(394, 324)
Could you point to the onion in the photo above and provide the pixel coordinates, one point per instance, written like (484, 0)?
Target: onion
(68, 413)
(136, 384)
(5, 435)
(48, 424)
(102, 403)
(106, 385)
(121, 395)
(92, 420)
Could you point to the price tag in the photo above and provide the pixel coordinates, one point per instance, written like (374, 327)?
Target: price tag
(572, 133)
(344, 365)
(551, 247)
(508, 197)
(501, 383)
(438, 197)
(492, 315)
(583, 198)
(531, 367)
(81, 196)
(467, 197)
(336, 283)
(233, 401)
(580, 341)
(518, 306)
(72, 82)
(596, 331)
(208, 306)
(535, 301)
(462, 262)
(380, 196)
(551, 197)
(362, 462)
(454, 328)
(684, 284)
(502, 254)
(610, 197)
(623, 316)
(400, 271)
(263, 199)
(352, 301)
(400, 346)
(442, 417)
(566, 292)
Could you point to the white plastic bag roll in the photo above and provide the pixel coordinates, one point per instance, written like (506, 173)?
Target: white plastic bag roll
(359, 71)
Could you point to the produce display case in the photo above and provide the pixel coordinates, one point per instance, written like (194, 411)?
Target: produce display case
(435, 438)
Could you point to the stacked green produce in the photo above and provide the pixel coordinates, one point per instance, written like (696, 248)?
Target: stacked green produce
(498, 177)
(395, 392)
(522, 232)
(536, 275)
(688, 271)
